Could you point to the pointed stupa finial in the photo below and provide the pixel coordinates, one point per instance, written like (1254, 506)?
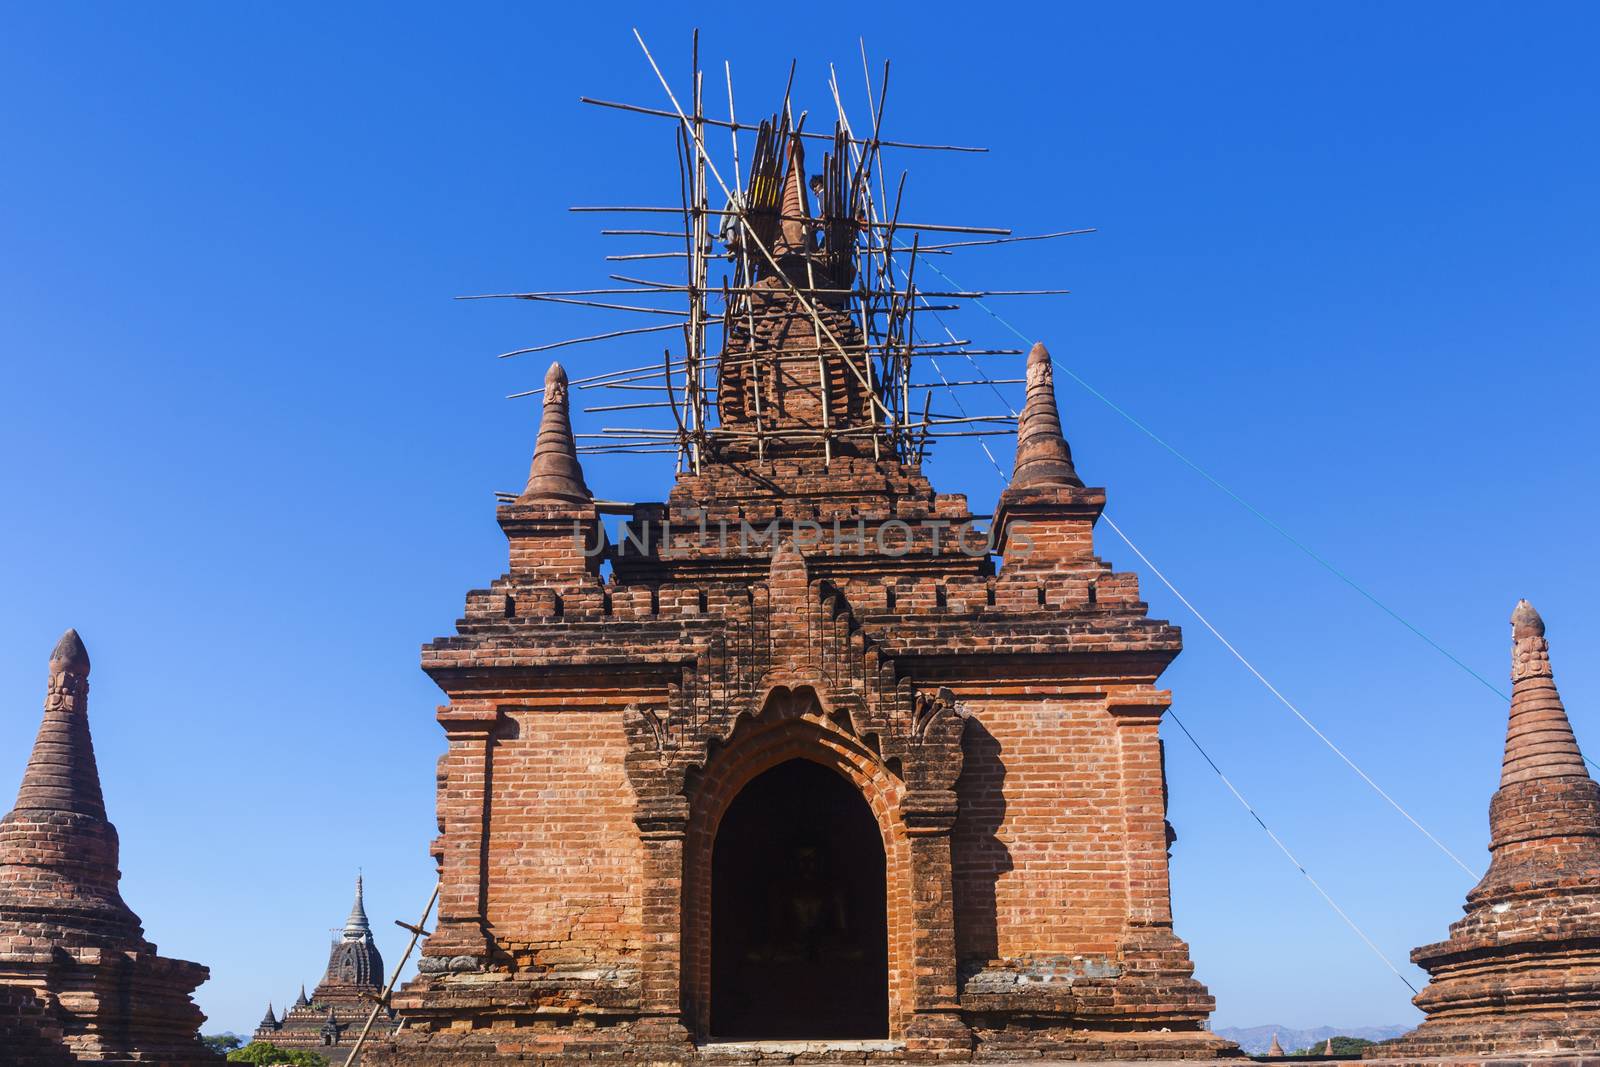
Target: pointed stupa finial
(1043, 458)
(1276, 1049)
(556, 474)
(1327, 1047)
(1539, 739)
(356, 926)
(301, 1001)
(1526, 621)
(795, 221)
(61, 774)
(269, 1021)
(70, 655)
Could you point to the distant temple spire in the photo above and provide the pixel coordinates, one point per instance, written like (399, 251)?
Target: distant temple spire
(555, 475)
(269, 1021)
(356, 926)
(351, 983)
(1043, 457)
(1276, 1049)
(1327, 1047)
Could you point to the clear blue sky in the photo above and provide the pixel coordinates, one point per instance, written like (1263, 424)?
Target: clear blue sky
(1346, 259)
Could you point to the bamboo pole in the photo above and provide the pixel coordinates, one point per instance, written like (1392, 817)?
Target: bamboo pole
(932, 227)
(777, 272)
(388, 990)
(593, 337)
(637, 109)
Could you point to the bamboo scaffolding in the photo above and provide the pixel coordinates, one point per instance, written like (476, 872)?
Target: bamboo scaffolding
(743, 220)
(851, 262)
(640, 110)
(931, 227)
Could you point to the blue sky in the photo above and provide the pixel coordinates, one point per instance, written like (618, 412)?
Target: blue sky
(1345, 261)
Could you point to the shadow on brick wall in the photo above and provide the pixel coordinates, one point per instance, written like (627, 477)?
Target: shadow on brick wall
(980, 857)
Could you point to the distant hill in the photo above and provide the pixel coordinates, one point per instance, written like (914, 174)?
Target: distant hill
(1257, 1039)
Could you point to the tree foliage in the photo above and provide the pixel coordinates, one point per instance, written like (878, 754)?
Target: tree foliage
(221, 1042)
(1342, 1046)
(264, 1052)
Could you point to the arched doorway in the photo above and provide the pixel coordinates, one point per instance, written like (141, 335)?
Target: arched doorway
(799, 930)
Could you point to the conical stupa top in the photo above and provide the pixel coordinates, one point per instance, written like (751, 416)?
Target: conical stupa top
(61, 774)
(1276, 1049)
(302, 1001)
(269, 1021)
(1043, 458)
(356, 926)
(555, 474)
(1327, 1047)
(792, 232)
(1539, 739)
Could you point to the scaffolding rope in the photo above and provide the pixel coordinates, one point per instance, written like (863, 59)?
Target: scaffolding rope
(1285, 848)
(1254, 814)
(1241, 501)
(1276, 527)
(1229, 645)
(1285, 701)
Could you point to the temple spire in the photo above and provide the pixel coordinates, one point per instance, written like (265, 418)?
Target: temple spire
(356, 926)
(61, 774)
(57, 845)
(270, 1020)
(1539, 739)
(796, 219)
(1043, 458)
(1276, 1049)
(555, 475)
(1545, 817)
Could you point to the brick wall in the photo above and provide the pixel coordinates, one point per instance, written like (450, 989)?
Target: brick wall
(564, 857)
(1038, 846)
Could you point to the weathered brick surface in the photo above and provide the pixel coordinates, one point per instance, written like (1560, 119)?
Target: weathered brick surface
(1001, 727)
(29, 1030)
(66, 936)
(564, 858)
(1520, 972)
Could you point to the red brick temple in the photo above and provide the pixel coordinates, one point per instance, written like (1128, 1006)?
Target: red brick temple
(804, 765)
(1520, 972)
(331, 1019)
(78, 980)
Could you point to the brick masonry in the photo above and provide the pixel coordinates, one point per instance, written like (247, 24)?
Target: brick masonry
(1520, 973)
(76, 973)
(1002, 726)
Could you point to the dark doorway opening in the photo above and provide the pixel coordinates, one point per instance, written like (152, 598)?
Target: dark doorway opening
(799, 901)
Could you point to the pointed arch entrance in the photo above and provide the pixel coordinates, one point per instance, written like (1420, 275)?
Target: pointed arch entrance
(799, 910)
(794, 676)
